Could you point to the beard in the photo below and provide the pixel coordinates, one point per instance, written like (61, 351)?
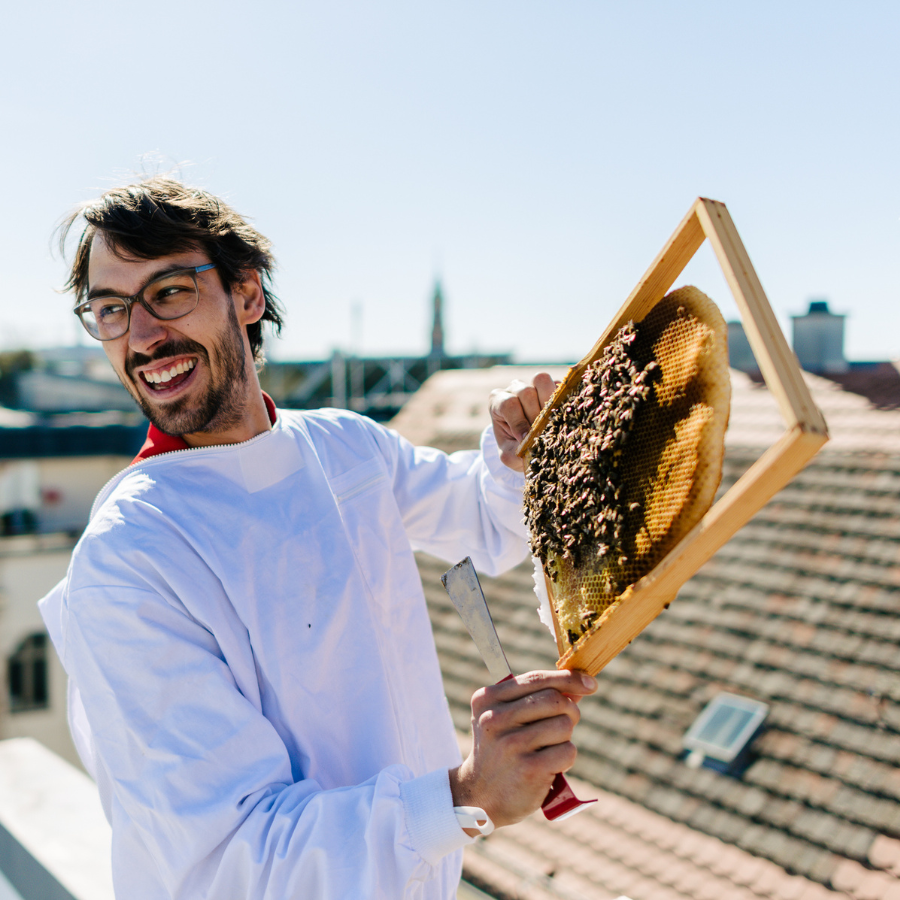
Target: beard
(224, 403)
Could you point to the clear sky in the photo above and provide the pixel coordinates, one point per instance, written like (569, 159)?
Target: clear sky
(536, 155)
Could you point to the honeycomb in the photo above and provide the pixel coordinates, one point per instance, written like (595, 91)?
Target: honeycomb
(631, 458)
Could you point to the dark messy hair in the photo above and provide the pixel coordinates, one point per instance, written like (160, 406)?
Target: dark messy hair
(159, 216)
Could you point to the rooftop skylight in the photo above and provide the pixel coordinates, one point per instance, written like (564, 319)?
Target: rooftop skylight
(724, 729)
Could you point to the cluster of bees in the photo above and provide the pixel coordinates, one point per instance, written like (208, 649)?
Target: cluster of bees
(574, 491)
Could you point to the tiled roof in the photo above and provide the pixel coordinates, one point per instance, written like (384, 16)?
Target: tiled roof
(617, 847)
(799, 611)
(451, 408)
(450, 411)
(879, 383)
(854, 423)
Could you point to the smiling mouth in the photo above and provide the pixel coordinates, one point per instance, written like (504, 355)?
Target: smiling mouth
(165, 379)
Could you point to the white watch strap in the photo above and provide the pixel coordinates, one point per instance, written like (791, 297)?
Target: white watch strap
(474, 817)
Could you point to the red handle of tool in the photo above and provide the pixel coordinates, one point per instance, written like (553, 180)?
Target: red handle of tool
(561, 802)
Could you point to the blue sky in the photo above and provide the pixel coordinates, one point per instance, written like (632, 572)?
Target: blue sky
(536, 155)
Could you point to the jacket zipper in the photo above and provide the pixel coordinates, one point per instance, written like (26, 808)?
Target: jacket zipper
(102, 493)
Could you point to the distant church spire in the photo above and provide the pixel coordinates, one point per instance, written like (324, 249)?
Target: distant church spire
(437, 327)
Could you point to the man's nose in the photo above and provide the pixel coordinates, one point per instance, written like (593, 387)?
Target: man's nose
(146, 331)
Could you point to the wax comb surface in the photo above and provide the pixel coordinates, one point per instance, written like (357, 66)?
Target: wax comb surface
(631, 459)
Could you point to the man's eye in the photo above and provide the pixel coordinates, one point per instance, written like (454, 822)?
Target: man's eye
(110, 310)
(170, 292)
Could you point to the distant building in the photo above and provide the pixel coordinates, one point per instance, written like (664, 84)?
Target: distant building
(33, 699)
(740, 356)
(49, 476)
(819, 339)
(67, 379)
(377, 386)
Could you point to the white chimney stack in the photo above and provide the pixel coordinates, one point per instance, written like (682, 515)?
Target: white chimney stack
(819, 339)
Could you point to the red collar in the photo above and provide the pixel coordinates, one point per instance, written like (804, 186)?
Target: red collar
(159, 442)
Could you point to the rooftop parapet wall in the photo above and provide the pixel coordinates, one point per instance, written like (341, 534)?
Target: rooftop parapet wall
(54, 839)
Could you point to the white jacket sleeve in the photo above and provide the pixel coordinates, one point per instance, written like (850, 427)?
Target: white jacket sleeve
(199, 781)
(462, 504)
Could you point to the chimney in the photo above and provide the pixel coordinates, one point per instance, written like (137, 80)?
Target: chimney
(740, 356)
(819, 339)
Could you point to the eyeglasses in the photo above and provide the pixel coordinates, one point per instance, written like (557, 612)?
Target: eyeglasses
(170, 296)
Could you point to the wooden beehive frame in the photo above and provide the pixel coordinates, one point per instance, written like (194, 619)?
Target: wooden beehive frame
(805, 431)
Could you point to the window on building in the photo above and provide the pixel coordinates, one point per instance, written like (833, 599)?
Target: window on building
(27, 675)
(20, 497)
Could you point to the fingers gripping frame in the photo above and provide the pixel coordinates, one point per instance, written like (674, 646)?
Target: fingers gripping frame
(805, 428)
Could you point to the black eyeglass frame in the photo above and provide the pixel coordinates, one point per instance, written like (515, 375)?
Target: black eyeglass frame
(139, 298)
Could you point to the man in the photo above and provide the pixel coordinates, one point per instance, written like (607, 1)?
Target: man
(253, 681)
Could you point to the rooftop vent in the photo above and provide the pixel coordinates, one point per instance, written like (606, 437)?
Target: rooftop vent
(721, 734)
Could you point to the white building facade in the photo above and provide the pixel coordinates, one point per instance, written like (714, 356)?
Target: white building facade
(44, 506)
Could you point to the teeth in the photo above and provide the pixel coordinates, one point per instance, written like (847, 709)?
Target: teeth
(168, 374)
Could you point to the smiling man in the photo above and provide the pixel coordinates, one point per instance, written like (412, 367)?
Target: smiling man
(253, 680)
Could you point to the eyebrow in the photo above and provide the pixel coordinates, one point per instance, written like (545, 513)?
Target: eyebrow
(159, 273)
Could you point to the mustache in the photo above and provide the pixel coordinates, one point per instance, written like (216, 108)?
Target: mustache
(173, 348)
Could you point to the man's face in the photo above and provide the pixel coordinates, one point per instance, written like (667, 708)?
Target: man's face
(189, 375)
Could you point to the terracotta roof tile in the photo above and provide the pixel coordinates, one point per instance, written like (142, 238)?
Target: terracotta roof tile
(573, 885)
(747, 873)
(874, 886)
(728, 860)
(665, 893)
(817, 892)
(768, 881)
(737, 893)
(848, 876)
(783, 813)
(885, 853)
(483, 872)
(791, 887)
(706, 890)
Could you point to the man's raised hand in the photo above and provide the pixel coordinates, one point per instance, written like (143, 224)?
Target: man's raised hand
(513, 409)
(522, 731)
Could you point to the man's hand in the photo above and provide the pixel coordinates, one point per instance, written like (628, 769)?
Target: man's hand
(522, 730)
(512, 412)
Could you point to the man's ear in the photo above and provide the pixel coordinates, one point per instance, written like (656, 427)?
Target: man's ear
(249, 299)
